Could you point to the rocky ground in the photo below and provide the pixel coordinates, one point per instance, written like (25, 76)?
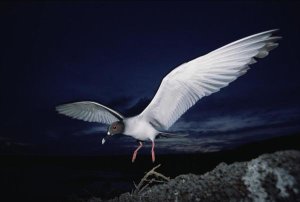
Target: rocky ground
(270, 177)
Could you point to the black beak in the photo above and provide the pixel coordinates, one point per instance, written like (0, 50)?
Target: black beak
(106, 137)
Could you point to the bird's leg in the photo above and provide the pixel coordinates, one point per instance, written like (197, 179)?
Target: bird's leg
(152, 152)
(135, 152)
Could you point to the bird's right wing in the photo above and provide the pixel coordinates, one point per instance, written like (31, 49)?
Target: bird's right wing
(90, 111)
(191, 81)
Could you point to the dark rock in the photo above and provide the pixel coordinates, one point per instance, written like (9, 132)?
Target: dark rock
(270, 177)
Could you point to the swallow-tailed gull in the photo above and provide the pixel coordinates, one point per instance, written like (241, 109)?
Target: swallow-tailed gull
(179, 90)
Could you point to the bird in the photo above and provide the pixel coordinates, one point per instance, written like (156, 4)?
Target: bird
(179, 90)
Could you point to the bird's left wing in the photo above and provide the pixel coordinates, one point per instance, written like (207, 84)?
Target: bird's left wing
(90, 111)
(189, 82)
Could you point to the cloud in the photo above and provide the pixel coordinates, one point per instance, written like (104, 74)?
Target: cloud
(91, 130)
(4, 138)
(190, 144)
(208, 132)
(239, 121)
(138, 107)
(11, 146)
(216, 132)
(219, 132)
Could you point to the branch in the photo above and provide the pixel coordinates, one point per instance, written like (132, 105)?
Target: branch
(145, 182)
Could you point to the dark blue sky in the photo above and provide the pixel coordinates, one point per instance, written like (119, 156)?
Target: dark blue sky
(117, 54)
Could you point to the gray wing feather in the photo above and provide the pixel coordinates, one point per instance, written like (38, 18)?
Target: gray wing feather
(89, 111)
(191, 81)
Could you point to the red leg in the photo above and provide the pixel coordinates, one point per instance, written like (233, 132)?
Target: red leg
(152, 152)
(135, 152)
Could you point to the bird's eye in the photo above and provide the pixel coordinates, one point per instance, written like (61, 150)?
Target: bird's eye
(115, 127)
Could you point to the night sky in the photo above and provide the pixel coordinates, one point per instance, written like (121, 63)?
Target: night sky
(118, 53)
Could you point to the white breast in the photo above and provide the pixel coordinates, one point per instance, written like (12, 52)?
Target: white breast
(139, 129)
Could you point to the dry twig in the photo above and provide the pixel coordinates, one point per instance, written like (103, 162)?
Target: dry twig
(146, 181)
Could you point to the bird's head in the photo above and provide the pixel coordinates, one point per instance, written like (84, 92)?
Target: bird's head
(115, 128)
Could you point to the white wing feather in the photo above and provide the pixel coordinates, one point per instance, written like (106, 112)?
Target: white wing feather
(191, 81)
(90, 111)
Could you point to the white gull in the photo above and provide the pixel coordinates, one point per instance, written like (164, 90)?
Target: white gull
(179, 90)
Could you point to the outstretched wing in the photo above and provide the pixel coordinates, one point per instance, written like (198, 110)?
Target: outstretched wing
(191, 81)
(90, 111)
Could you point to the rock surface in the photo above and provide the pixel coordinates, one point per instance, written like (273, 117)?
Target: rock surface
(270, 177)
